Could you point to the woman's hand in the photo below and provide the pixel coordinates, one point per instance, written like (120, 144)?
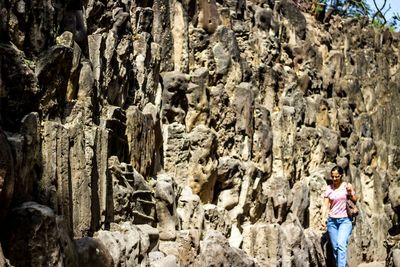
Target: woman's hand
(325, 210)
(350, 192)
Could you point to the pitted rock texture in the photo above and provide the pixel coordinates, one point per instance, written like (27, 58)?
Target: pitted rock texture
(36, 238)
(193, 133)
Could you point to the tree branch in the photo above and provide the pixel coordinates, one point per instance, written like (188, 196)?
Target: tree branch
(379, 12)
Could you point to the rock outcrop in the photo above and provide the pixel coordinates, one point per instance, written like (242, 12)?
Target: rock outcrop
(192, 133)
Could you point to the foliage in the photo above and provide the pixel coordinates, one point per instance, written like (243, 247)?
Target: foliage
(319, 9)
(395, 22)
(353, 8)
(379, 17)
(31, 64)
(349, 7)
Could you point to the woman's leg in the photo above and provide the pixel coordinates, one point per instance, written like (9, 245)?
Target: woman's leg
(333, 232)
(344, 231)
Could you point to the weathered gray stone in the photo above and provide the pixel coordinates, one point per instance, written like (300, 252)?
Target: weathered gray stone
(147, 58)
(179, 30)
(86, 81)
(4, 32)
(140, 132)
(85, 208)
(216, 218)
(316, 182)
(92, 252)
(73, 82)
(264, 18)
(294, 16)
(208, 15)
(95, 42)
(66, 39)
(262, 139)
(69, 252)
(128, 244)
(118, 79)
(144, 20)
(54, 187)
(252, 109)
(262, 241)
(113, 120)
(396, 257)
(19, 88)
(316, 112)
(203, 162)
(300, 202)
(33, 236)
(184, 248)
(168, 261)
(295, 248)
(162, 33)
(222, 59)
(199, 40)
(228, 198)
(3, 261)
(132, 197)
(7, 173)
(165, 193)
(176, 152)
(174, 104)
(190, 211)
(215, 250)
(313, 245)
(278, 199)
(198, 104)
(53, 71)
(223, 122)
(35, 37)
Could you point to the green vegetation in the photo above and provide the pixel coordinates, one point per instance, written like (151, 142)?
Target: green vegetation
(349, 7)
(379, 16)
(352, 8)
(30, 63)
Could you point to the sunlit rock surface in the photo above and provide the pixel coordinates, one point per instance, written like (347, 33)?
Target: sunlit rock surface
(192, 133)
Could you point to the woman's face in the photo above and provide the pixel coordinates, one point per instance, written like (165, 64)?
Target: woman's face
(336, 177)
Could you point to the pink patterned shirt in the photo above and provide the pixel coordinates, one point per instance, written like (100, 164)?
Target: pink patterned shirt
(337, 199)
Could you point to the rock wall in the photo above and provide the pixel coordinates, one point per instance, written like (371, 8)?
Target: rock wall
(192, 133)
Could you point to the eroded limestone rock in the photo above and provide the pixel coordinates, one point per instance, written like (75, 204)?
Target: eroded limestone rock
(7, 178)
(132, 197)
(53, 70)
(215, 250)
(255, 103)
(33, 238)
(202, 163)
(128, 244)
(140, 131)
(92, 252)
(165, 194)
(190, 211)
(19, 87)
(184, 248)
(174, 99)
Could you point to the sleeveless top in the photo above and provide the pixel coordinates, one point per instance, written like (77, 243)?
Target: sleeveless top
(337, 199)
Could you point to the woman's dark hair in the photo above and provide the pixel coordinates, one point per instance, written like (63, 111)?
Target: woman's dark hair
(338, 169)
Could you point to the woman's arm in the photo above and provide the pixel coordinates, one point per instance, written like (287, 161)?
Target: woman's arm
(325, 211)
(351, 193)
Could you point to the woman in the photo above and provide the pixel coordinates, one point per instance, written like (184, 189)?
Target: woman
(338, 224)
